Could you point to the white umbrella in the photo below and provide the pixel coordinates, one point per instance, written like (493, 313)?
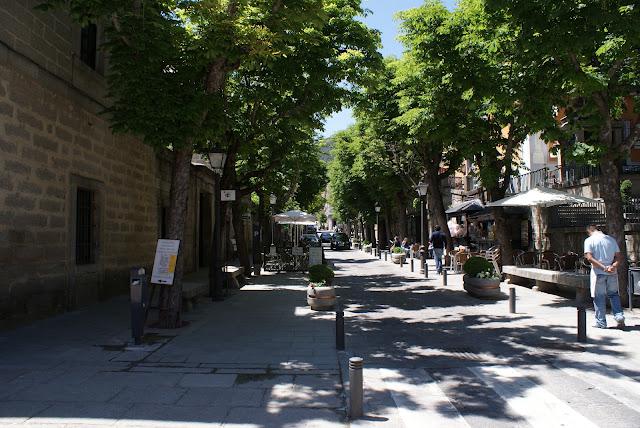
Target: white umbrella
(295, 217)
(542, 197)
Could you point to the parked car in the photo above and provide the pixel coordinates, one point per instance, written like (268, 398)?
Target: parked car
(310, 239)
(325, 236)
(340, 241)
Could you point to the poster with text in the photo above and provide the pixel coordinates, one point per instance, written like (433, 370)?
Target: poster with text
(164, 265)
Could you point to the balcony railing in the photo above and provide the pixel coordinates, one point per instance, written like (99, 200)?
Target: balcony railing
(559, 177)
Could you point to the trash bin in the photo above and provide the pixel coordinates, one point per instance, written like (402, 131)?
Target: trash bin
(139, 292)
(634, 284)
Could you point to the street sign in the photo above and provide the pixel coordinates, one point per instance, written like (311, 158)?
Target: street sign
(164, 264)
(227, 195)
(315, 256)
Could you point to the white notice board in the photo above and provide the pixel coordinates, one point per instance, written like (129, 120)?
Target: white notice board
(164, 265)
(315, 256)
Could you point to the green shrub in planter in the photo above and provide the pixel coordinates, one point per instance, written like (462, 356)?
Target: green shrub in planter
(476, 265)
(320, 273)
(365, 242)
(398, 250)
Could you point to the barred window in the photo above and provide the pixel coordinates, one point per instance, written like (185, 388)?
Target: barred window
(85, 226)
(89, 45)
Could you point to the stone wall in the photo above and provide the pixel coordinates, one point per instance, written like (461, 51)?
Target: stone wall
(53, 140)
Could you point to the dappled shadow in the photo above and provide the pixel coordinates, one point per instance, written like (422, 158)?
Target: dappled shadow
(398, 322)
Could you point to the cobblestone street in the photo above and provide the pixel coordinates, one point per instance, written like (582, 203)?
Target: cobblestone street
(433, 357)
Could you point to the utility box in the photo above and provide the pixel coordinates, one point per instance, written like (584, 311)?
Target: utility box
(139, 292)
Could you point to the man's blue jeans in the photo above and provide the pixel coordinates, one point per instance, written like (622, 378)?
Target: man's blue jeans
(607, 286)
(437, 255)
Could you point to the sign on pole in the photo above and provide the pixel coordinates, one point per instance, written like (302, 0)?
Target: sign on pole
(227, 195)
(164, 265)
(315, 256)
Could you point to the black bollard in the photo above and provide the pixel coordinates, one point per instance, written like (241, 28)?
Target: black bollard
(401, 261)
(379, 255)
(340, 329)
(582, 324)
(512, 300)
(412, 264)
(385, 255)
(444, 277)
(426, 269)
(422, 263)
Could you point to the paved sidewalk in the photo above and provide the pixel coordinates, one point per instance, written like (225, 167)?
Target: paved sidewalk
(261, 358)
(435, 356)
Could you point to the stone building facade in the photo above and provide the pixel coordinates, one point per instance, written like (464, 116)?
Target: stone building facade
(78, 205)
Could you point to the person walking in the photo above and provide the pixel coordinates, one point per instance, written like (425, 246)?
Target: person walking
(439, 242)
(603, 252)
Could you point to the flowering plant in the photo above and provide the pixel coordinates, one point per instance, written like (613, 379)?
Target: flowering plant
(488, 274)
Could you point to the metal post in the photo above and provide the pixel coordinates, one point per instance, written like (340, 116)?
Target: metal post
(444, 277)
(355, 387)
(379, 254)
(340, 329)
(426, 269)
(385, 255)
(422, 237)
(582, 324)
(401, 261)
(422, 262)
(412, 264)
(215, 270)
(512, 300)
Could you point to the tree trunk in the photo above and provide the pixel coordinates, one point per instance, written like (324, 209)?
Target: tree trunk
(503, 236)
(436, 205)
(241, 237)
(401, 209)
(387, 230)
(171, 296)
(610, 191)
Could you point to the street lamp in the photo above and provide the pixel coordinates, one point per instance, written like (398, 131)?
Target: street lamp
(217, 160)
(272, 201)
(377, 208)
(422, 192)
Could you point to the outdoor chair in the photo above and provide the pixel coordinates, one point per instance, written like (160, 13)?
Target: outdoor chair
(516, 256)
(459, 259)
(569, 262)
(493, 255)
(527, 259)
(550, 260)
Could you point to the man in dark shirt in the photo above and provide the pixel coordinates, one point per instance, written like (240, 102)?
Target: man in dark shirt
(439, 242)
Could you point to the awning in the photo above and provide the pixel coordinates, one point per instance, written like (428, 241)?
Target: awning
(542, 197)
(295, 217)
(471, 206)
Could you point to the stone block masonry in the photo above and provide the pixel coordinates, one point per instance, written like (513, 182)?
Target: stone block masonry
(53, 142)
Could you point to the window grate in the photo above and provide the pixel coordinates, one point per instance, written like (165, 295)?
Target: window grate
(84, 227)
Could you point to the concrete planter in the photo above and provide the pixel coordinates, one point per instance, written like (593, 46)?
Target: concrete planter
(321, 298)
(396, 257)
(481, 287)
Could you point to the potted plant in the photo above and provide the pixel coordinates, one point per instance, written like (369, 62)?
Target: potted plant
(321, 294)
(366, 246)
(481, 279)
(398, 255)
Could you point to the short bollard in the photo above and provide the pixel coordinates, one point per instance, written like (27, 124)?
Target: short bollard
(444, 277)
(512, 300)
(340, 329)
(385, 255)
(379, 255)
(582, 324)
(412, 265)
(401, 261)
(426, 270)
(422, 262)
(355, 387)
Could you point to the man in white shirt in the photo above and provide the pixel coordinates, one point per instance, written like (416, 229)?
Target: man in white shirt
(603, 252)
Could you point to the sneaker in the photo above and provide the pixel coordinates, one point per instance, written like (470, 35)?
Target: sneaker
(620, 323)
(599, 326)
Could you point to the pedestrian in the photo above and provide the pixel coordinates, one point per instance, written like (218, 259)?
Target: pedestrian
(396, 242)
(439, 242)
(603, 252)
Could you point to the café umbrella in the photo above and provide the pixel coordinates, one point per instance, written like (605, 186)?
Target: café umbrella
(296, 218)
(542, 197)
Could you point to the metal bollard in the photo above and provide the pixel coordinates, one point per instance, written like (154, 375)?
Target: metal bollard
(512, 300)
(401, 261)
(582, 324)
(426, 269)
(385, 255)
(412, 265)
(444, 277)
(340, 329)
(379, 255)
(422, 262)
(355, 387)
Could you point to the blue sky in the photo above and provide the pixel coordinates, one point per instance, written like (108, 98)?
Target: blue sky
(381, 18)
